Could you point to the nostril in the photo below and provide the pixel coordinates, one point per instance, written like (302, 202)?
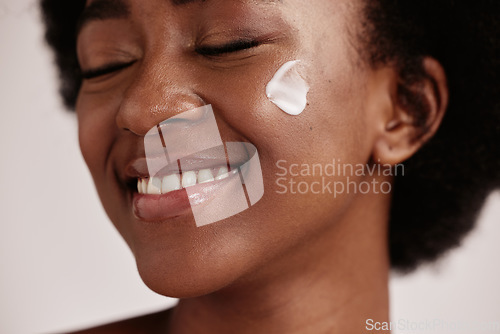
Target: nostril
(183, 103)
(140, 110)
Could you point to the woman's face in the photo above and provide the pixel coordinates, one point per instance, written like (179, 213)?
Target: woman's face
(164, 73)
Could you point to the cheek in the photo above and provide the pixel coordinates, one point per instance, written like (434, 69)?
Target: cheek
(331, 127)
(96, 133)
(337, 119)
(336, 101)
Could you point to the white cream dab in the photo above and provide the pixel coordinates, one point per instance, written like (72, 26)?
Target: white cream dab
(288, 90)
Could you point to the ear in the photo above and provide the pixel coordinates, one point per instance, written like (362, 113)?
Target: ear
(412, 115)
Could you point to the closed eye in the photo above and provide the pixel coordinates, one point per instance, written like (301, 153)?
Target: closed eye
(226, 48)
(103, 70)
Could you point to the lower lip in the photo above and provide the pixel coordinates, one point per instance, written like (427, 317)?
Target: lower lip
(160, 208)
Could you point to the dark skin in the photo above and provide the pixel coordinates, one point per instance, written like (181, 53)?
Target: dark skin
(289, 264)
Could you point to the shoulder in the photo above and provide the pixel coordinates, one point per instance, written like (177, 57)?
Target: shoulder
(148, 323)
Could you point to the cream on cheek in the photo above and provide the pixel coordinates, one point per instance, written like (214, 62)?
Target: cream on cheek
(288, 89)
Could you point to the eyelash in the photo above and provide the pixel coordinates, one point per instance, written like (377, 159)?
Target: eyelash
(209, 51)
(231, 47)
(106, 69)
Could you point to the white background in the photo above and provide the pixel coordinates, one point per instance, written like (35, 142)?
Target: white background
(62, 264)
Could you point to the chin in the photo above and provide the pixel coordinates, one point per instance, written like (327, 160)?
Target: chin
(188, 275)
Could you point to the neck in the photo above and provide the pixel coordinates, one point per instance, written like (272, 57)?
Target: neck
(331, 284)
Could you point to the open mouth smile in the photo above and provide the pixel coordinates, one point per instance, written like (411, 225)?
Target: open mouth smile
(158, 185)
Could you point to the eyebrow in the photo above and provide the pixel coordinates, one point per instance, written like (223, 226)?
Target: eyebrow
(113, 9)
(103, 10)
(118, 9)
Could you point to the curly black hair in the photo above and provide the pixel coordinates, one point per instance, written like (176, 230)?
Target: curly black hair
(437, 201)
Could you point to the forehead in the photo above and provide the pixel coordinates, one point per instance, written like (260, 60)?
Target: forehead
(119, 9)
(125, 4)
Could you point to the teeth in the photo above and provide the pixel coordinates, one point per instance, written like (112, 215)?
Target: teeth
(188, 179)
(222, 174)
(170, 183)
(154, 186)
(157, 186)
(205, 175)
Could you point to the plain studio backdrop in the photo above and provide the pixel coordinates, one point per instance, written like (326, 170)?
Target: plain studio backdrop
(62, 264)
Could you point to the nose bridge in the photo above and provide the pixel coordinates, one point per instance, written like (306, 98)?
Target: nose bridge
(160, 91)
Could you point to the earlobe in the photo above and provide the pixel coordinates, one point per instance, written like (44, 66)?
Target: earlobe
(417, 108)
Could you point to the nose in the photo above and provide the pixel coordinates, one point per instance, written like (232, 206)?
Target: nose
(158, 93)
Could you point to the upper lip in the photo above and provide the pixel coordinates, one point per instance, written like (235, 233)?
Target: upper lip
(137, 167)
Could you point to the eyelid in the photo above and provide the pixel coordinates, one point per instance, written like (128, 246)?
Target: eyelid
(231, 47)
(105, 69)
